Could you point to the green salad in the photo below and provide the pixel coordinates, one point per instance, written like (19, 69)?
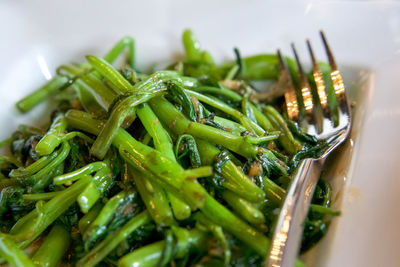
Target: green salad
(185, 166)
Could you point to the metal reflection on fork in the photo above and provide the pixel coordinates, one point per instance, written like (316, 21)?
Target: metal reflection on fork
(316, 119)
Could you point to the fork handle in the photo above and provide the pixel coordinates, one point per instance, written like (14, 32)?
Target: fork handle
(290, 225)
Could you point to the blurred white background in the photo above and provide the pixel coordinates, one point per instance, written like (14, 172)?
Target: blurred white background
(37, 36)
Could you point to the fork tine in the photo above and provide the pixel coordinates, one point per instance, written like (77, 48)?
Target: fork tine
(290, 93)
(306, 93)
(305, 87)
(319, 82)
(337, 80)
(320, 97)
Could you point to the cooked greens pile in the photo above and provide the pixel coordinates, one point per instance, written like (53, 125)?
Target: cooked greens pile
(185, 166)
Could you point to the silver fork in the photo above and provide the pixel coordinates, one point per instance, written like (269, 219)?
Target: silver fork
(317, 120)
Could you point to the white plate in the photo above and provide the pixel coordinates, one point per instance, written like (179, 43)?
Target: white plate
(38, 36)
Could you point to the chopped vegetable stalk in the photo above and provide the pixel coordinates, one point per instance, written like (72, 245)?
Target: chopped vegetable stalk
(180, 125)
(57, 241)
(154, 198)
(235, 179)
(52, 138)
(150, 255)
(245, 209)
(42, 93)
(34, 223)
(12, 253)
(162, 142)
(112, 241)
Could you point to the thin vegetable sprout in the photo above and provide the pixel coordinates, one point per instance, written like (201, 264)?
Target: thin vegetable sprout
(182, 167)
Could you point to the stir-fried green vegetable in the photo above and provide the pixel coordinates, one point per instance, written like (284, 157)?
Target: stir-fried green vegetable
(180, 167)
